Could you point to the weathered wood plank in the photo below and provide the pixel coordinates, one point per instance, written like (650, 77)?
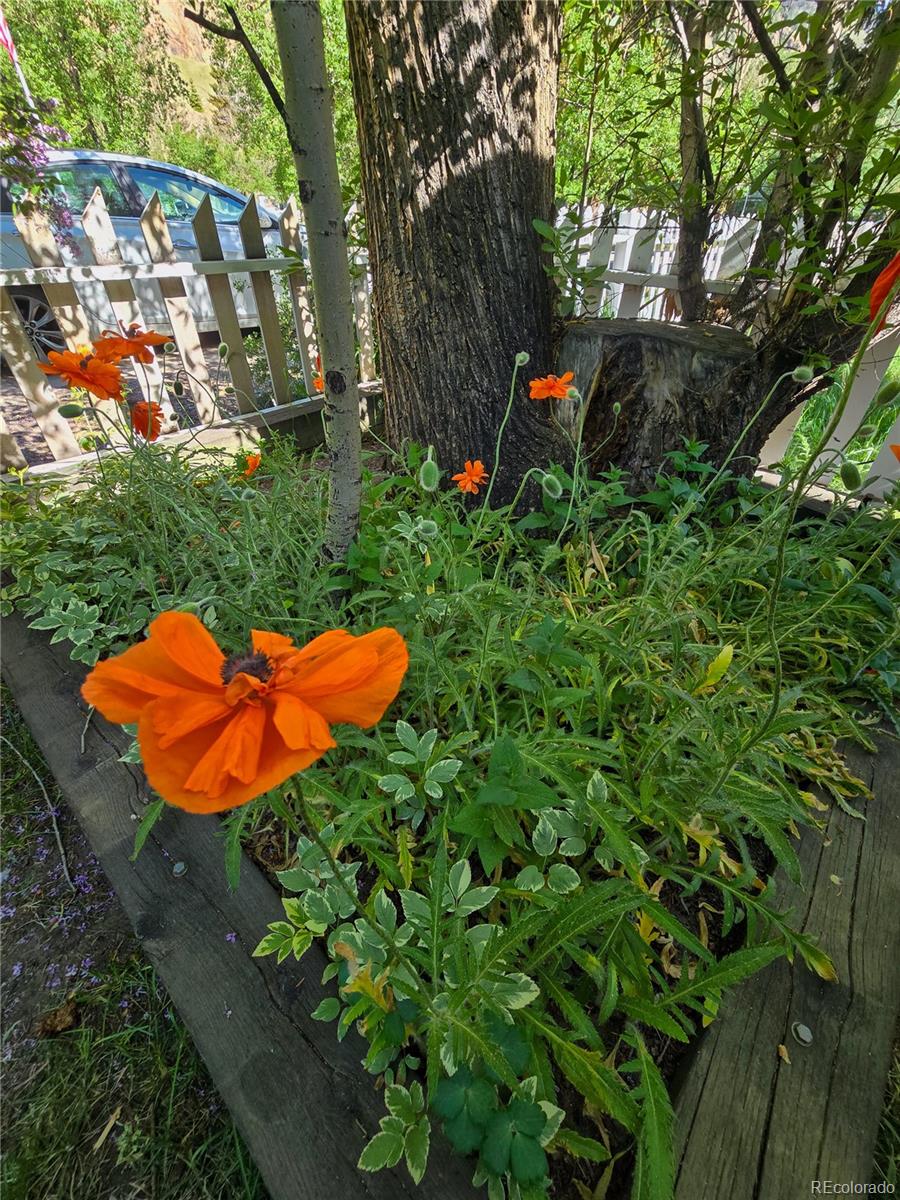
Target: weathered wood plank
(753, 1127)
(210, 247)
(32, 382)
(184, 327)
(43, 250)
(11, 456)
(289, 226)
(300, 1098)
(266, 308)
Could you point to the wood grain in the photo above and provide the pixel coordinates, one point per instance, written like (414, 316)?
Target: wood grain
(753, 1127)
(300, 1098)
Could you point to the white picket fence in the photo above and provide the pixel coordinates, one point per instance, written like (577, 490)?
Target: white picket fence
(636, 253)
(636, 250)
(173, 283)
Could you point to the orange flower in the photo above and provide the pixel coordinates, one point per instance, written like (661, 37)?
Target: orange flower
(86, 371)
(251, 463)
(895, 450)
(881, 287)
(132, 343)
(550, 385)
(146, 419)
(318, 378)
(215, 732)
(471, 476)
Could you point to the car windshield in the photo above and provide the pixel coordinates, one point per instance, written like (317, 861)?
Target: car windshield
(181, 197)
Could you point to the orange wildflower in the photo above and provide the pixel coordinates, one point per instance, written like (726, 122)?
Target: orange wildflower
(131, 343)
(101, 379)
(472, 475)
(318, 378)
(251, 463)
(146, 419)
(551, 386)
(215, 732)
(881, 287)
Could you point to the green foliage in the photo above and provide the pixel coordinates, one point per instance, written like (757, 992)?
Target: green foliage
(561, 842)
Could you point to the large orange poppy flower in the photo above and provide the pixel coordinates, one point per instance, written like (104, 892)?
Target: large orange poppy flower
(215, 732)
(471, 476)
(551, 386)
(881, 287)
(132, 343)
(147, 419)
(101, 379)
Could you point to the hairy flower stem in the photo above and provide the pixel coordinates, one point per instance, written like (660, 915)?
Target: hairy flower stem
(496, 465)
(755, 737)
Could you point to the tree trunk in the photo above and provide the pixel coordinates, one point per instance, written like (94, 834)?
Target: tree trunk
(455, 104)
(310, 128)
(672, 381)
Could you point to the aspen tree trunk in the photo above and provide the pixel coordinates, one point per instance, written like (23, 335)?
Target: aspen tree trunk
(309, 119)
(456, 108)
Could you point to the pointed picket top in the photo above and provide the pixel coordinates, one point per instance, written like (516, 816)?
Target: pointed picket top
(266, 308)
(290, 224)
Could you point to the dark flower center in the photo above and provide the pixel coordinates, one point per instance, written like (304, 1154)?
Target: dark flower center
(248, 663)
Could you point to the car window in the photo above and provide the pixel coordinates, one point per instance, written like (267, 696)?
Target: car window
(181, 197)
(78, 180)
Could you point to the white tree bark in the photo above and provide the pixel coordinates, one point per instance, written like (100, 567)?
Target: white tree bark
(310, 126)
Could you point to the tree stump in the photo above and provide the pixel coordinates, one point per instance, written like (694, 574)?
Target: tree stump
(672, 382)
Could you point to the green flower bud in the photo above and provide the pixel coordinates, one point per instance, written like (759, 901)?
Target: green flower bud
(888, 392)
(550, 486)
(802, 374)
(617, 408)
(573, 394)
(223, 350)
(429, 476)
(523, 358)
(87, 442)
(228, 389)
(850, 476)
(427, 529)
(178, 387)
(168, 348)
(866, 431)
(71, 410)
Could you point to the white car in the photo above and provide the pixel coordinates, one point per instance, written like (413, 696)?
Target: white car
(127, 183)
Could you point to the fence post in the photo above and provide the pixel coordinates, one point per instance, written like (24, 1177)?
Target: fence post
(362, 308)
(639, 254)
(304, 324)
(598, 256)
(184, 327)
(210, 250)
(11, 456)
(42, 249)
(267, 309)
(885, 470)
(32, 381)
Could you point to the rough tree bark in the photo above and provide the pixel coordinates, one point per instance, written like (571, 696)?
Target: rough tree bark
(310, 127)
(456, 107)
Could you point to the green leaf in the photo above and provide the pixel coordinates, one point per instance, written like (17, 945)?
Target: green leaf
(459, 878)
(384, 1150)
(648, 1013)
(716, 669)
(527, 1159)
(406, 735)
(562, 878)
(725, 973)
(511, 991)
(327, 1010)
(400, 1104)
(544, 838)
(149, 819)
(475, 899)
(656, 1141)
(529, 879)
(580, 1146)
(415, 1148)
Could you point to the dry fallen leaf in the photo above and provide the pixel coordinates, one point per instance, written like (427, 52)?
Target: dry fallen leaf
(106, 1128)
(57, 1021)
(783, 1054)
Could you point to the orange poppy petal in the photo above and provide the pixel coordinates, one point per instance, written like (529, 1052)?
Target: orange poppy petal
(567, 377)
(167, 770)
(121, 693)
(363, 700)
(325, 643)
(180, 713)
(189, 644)
(234, 752)
(270, 644)
(301, 727)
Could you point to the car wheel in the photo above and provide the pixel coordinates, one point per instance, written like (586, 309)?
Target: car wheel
(40, 323)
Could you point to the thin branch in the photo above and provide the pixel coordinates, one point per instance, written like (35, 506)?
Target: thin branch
(751, 12)
(40, 783)
(238, 34)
